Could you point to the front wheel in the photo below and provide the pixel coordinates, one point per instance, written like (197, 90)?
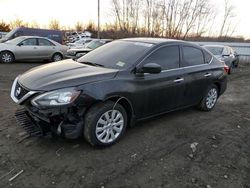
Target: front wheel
(209, 100)
(105, 123)
(6, 57)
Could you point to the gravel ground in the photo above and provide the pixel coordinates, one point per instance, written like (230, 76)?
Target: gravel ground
(154, 153)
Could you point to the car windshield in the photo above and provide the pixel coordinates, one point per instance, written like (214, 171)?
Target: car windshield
(15, 40)
(215, 50)
(95, 44)
(117, 55)
(9, 34)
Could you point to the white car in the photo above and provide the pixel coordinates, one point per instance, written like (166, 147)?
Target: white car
(80, 43)
(31, 48)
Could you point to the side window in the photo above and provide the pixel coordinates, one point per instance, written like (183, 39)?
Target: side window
(192, 56)
(208, 57)
(226, 51)
(44, 42)
(29, 42)
(167, 57)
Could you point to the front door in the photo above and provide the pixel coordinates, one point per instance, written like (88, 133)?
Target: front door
(157, 93)
(27, 49)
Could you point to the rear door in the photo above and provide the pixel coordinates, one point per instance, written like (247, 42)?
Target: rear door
(160, 92)
(195, 64)
(45, 48)
(27, 49)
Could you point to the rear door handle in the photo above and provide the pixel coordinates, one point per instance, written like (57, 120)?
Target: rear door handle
(207, 74)
(35, 47)
(178, 80)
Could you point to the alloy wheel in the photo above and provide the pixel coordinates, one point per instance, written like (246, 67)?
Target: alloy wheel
(211, 98)
(109, 126)
(6, 58)
(57, 57)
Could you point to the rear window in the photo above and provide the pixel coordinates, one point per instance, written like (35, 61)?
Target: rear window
(215, 50)
(192, 56)
(44, 42)
(118, 54)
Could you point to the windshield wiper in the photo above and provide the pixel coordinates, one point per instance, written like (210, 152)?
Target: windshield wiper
(93, 64)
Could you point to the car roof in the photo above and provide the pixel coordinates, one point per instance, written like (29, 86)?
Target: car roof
(216, 46)
(161, 41)
(152, 40)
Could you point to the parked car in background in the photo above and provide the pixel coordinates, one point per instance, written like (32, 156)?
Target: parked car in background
(226, 54)
(55, 35)
(114, 86)
(31, 48)
(2, 34)
(76, 53)
(80, 43)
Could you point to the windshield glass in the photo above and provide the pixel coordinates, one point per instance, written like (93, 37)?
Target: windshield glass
(215, 50)
(15, 40)
(118, 54)
(9, 35)
(94, 44)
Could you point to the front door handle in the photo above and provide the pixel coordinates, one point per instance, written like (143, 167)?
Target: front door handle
(35, 47)
(178, 80)
(207, 74)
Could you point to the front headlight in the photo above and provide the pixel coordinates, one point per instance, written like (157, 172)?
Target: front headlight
(56, 98)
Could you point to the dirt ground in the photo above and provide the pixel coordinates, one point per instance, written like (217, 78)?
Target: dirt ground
(155, 153)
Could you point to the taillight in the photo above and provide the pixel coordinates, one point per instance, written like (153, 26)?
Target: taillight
(226, 69)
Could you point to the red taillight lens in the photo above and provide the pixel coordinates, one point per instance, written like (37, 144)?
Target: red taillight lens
(226, 69)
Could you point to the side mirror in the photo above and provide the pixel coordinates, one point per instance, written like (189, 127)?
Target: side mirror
(152, 68)
(20, 44)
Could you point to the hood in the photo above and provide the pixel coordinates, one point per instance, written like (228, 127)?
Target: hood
(62, 74)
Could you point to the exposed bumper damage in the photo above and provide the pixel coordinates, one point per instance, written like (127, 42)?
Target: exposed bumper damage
(66, 122)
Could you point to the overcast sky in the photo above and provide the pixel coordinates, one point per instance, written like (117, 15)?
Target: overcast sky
(69, 12)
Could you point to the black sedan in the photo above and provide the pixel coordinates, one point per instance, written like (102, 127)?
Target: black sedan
(116, 85)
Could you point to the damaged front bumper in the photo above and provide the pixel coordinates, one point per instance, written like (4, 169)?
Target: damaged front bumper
(64, 121)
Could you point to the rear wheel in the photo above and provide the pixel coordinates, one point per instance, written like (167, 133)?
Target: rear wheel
(57, 57)
(6, 57)
(105, 123)
(209, 100)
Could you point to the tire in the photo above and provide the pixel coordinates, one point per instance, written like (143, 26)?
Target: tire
(57, 57)
(96, 119)
(6, 57)
(210, 98)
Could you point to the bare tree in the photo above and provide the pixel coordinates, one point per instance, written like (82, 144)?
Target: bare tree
(79, 26)
(127, 14)
(227, 18)
(4, 27)
(54, 24)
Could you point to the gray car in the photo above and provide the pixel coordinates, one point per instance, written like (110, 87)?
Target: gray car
(31, 48)
(224, 53)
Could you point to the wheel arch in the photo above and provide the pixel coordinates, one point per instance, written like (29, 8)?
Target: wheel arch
(125, 102)
(57, 52)
(218, 85)
(9, 52)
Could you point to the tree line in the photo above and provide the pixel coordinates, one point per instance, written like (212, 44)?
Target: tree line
(179, 19)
